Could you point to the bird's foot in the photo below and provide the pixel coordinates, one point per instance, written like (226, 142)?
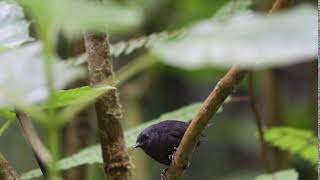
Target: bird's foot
(173, 155)
(163, 174)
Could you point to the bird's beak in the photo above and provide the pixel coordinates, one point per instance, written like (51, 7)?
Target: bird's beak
(137, 145)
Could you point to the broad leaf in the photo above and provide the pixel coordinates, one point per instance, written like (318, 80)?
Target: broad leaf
(247, 39)
(14, 29)
(297, 141)
(23, 78)
(76, 96)
(76, 16)
(289, 174)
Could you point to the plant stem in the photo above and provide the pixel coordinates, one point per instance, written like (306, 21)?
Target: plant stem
(53, 144)
(52, 122)
(109, 110)
(258, 121)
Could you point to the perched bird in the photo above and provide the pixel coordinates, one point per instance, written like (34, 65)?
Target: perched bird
(160, 141)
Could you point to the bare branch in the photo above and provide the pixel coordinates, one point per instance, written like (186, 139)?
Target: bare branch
(39, 150)
(6, 170)
(190, 139)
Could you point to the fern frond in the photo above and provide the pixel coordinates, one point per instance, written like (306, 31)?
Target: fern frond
(127, 47)
(297, 141)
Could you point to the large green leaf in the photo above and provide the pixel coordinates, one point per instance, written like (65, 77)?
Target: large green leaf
(297, 141)
(73, 100)
(76, 96)
(92, 154)
(76, 16)
(289, 174)
(247, 39)
(22, 75)
(14, 29)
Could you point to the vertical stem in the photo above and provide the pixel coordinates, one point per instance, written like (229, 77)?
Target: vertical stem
(108, 108)
(273, 114)
(258, 121)
(51, 125)
(54, 147)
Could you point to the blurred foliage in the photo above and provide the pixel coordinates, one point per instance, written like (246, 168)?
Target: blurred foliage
(73, 17)
(289, 174)
(14, 28)
(298, 142)
(246, 39)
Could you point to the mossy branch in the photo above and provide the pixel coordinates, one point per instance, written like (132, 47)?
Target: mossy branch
(108, 108)
(6, 170)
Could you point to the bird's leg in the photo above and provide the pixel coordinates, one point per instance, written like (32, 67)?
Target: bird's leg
(163, 174)
(172, 156)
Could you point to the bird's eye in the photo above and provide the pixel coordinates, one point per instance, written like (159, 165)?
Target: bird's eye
(146, 136)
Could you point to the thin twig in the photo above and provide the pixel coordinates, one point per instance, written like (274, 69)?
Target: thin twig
(6, 170)
(258, 121)
(278, 4)
(39, 150)
(191, 138)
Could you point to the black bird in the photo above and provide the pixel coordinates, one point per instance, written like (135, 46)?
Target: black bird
(160, 141)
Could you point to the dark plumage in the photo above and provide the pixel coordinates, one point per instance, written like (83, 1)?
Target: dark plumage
(160, 140)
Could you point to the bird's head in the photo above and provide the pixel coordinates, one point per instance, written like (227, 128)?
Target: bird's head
(143, 140)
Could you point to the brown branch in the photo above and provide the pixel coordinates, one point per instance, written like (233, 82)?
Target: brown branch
(108, 108)
(6, 170)
(278, 4)
(257, 118)
(39, 150)
(190, 139)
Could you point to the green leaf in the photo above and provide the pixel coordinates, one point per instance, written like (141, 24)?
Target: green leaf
(289, 174)
(23, 79)
(92, 154)
(76, 96)
(297, 141)
(7, 113)
(14, 29)
(247, 39)
(9, 116)
(76, 100)
(76, 16)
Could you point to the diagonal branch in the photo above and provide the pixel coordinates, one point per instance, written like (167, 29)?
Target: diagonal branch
(6, 170)
(39, 150)
(190, 139)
